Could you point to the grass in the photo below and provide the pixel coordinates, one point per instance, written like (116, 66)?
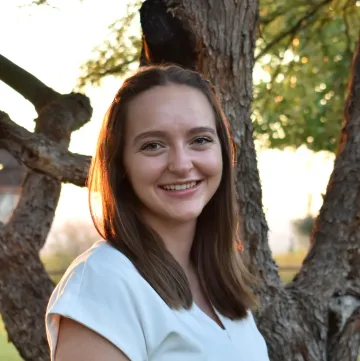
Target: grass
(8, 351)
(293, 259)
(290, 259)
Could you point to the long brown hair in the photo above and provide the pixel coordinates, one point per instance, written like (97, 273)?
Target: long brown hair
(215, 250)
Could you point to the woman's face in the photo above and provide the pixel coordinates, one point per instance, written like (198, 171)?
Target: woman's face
(172, 153)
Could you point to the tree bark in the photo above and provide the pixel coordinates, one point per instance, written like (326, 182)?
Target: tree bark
(26, 84)
(335, 252)
(25, 286)
(43, 155)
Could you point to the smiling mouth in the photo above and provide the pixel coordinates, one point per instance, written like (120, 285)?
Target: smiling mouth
(180, 187)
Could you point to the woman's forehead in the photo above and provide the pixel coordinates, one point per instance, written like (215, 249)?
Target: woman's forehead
(178, 106)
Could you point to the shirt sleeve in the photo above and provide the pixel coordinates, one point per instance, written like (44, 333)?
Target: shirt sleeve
(102, 300)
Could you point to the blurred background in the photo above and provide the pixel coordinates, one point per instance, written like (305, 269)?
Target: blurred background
(303, 59)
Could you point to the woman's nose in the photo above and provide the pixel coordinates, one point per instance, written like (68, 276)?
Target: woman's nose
(180, 162)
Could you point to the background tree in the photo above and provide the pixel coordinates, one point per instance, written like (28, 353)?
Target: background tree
(24, 284)
(67, 242)
(316, 316)
(119, 53)
(304, 226)
(303, 52)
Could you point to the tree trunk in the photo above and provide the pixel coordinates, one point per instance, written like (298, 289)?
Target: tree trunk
(25, 286)
(316, 317)
(317, 314)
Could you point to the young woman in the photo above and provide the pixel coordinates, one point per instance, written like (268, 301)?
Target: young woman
(167, 283)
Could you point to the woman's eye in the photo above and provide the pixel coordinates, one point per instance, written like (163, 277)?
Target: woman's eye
(151, 146)
(202, 140)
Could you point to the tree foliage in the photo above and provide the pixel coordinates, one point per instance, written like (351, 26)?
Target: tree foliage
(305, 49)
(304, 53)
(119, 53)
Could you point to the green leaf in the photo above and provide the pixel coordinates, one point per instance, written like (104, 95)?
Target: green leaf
(119, 53)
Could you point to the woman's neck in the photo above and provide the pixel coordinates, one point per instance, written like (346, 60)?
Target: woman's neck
(178, 238)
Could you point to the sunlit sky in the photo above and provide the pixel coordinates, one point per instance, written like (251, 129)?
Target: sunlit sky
(52, 43)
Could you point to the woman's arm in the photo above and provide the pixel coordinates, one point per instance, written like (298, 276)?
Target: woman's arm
(78, 343)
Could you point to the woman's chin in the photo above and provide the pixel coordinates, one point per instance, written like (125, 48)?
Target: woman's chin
(183, 217)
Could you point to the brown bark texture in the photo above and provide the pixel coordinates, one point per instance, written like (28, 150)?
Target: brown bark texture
(316, 316)
(41, 154)
(24, 284)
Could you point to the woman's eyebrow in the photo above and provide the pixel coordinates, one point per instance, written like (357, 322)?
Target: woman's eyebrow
(162, 134)
(150, 133)
(198, 130)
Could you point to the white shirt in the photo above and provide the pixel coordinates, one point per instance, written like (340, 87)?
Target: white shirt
(103, 291)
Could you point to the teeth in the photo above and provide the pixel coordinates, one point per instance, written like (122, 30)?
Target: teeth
(179, 187)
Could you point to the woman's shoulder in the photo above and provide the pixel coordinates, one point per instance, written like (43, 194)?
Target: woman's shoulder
(101, 260)
(101, 270)
(104, 256)
(101, 290)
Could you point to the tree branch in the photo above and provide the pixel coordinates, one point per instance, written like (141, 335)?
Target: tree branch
(281, 10)
(293, 30)
(25, 286)
(347, 29)
(347, 342)
(40, 154)
(164, 37)
(336, 235)
(63, 116)
(26, 84)
(94, 76)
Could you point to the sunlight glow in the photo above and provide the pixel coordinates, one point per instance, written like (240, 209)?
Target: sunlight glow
(296, 42)
(329, 95)
(293, 81)
(260, 75)
(284, 119)
(280, 78)
(287, 176)
(288, 57)
(281, 133)
(338, 57)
